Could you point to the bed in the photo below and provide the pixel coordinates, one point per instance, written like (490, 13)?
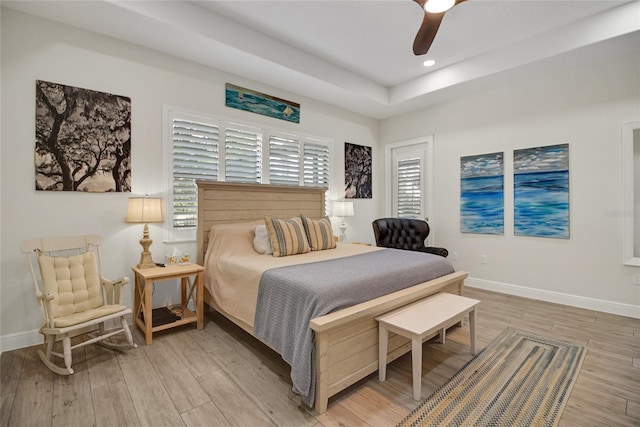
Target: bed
(346, 340)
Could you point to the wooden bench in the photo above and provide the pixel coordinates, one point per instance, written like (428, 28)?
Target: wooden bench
(421, 320)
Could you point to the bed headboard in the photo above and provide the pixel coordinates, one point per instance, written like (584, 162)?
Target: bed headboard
(224, 202)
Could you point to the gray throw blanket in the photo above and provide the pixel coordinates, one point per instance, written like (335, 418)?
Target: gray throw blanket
(289, 297)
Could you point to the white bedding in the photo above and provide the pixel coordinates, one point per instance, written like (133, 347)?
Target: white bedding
(233, 268)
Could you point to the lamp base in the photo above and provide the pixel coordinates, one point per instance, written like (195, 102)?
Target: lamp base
(146, 261)
(343, 231)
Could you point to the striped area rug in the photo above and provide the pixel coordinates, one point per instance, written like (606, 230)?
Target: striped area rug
(520, 379)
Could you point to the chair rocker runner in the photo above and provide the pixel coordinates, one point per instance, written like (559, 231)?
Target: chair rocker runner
(74, 297)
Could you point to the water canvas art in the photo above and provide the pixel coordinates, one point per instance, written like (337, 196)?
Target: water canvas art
(541, 191)
(482, 194)
(260, 103)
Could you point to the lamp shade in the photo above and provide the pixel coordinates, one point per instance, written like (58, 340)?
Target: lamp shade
(342, 208)
(144, 210)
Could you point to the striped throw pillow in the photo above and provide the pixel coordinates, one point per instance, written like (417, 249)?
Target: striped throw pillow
(319, 233)
(287, 236)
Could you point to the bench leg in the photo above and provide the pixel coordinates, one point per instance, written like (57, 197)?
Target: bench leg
(472, 329)
(416, 362)
(383, 341)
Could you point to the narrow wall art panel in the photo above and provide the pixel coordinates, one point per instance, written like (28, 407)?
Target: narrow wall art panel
(541, 191)
(482, 194)
(260, 103)
(83, 140)
(357, 172)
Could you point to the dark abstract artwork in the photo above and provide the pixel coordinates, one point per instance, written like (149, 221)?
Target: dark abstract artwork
(83, 140)
(357, 171)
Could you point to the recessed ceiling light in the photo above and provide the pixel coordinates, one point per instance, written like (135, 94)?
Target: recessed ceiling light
(438, 6)
(429, 63)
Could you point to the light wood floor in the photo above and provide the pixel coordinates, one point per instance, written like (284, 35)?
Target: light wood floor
(223, 377)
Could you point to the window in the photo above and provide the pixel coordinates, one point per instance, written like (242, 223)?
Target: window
(410, 185)
(409, 203)
(316, 157)
(208, 148)
(284, 160)
(195, 155)
(243, 154)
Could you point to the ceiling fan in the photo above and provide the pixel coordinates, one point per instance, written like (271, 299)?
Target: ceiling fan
(434, 11)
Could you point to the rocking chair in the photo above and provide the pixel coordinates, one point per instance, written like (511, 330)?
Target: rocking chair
(75, 299)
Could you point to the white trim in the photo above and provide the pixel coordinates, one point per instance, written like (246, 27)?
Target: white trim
(429, 178)
(628, 202)
(612, 307)
(20, 340)
(31, 338)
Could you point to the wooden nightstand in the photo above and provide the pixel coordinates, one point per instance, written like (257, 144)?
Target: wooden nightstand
(191, 278)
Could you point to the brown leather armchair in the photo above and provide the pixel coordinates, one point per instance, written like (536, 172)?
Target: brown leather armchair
(404, 233)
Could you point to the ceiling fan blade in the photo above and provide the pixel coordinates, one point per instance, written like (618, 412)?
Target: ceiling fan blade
(428, 29)
(427, 32)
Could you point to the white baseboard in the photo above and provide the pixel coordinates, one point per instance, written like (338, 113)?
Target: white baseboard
(28, 339)
(618, 308)
(20, 340)
(31, 338)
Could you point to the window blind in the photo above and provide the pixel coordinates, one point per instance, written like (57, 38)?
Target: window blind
(243, 154)
(316, 159)
(409, 188)
(284, 160)
(208, 148)
(195, 156)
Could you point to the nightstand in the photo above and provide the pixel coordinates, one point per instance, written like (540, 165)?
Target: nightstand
(191, 278)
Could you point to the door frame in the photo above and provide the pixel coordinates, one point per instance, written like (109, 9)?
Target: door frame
(429, 174)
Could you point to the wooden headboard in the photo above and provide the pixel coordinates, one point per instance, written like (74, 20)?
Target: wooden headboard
(224, 202)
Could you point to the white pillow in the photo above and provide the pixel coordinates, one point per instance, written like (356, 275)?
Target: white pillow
(261, 241)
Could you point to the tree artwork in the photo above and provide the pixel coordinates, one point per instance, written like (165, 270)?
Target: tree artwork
(357, 171)
(83, 140)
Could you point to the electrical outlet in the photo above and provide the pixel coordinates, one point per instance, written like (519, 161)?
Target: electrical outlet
(483, 259)
(454, 256)
(636, 279)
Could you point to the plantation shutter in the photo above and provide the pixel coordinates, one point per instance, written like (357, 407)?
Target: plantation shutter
(284, 160)
(409, 188)
(316, 164)
(243, 154)
(207, 148)
(195, 156)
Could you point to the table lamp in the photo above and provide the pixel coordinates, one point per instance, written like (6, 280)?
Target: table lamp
(143, 210)
(341, 209)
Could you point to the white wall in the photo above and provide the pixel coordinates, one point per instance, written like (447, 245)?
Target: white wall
(36, 49)
(583, 105)
(636, 193)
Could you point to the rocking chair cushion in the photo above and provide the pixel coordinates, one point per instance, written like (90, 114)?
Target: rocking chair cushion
(74, 282)
(85, 316)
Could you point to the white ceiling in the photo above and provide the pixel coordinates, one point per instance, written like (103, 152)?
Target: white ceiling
(356, 54)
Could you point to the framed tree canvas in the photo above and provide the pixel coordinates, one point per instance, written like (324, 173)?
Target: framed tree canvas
(541, 191)
(482, 194)
(357, 171)
(83, 140)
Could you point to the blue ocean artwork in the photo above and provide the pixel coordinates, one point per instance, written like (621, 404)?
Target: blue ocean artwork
(541, 191)
(482, 194)
(260, 103)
